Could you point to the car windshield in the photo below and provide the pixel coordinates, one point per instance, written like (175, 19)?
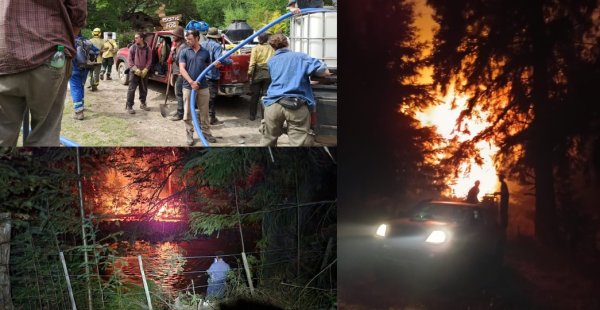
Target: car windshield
(441, 212)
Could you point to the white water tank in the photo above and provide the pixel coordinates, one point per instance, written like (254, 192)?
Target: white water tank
(316, 35)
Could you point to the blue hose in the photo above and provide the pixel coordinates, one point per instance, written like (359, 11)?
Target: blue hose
(246, 41)
(64, 141)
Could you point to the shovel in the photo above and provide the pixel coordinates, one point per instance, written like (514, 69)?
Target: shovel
(163, 107)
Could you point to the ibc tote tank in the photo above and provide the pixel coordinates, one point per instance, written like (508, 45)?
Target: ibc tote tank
(316, 35)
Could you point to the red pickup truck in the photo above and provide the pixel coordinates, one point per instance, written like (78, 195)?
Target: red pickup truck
(234, 78)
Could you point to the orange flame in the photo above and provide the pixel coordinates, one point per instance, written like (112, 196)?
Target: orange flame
(443, 117)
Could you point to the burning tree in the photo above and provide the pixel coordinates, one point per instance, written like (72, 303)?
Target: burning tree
(532, 67)
(384, 145)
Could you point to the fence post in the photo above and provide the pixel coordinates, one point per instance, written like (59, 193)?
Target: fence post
(297, 221)
(5, 228)
(326, 256)
(248, 274)
(64, 264)
(246, 267)
(83, 235)
(145, 283)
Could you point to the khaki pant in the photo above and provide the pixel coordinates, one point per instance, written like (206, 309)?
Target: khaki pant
(95, 75)
(298, 122)
(202, 97)
(43, 91)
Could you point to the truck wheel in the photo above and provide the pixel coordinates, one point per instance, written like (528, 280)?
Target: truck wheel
(123, 78)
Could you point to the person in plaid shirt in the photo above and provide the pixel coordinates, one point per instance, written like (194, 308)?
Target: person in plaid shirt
(30, 32)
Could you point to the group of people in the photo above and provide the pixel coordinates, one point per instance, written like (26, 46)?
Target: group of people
(474, 192)
(281, 75)
(276, 72)
(104, 51)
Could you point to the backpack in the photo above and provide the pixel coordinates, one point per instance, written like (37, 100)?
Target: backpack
(87, 53)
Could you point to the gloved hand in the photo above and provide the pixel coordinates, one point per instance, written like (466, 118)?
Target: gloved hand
(137, 72)
(144, 73)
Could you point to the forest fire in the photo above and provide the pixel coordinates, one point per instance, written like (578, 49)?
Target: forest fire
(443, 117)
(133, 192)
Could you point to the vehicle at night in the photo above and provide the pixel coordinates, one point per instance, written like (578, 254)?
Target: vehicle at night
(440, 236)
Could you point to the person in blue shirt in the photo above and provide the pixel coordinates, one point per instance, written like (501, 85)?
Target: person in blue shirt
(213, 46)
(217, 277)
(289, 98)
(192, 61)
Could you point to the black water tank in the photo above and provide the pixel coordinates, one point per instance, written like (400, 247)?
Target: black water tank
(238, 30)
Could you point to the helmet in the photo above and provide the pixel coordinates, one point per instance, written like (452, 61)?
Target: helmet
(96, 32)
(201, 26)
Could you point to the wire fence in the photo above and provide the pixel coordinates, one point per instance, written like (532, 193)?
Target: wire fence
(49, 289)
(57, 295)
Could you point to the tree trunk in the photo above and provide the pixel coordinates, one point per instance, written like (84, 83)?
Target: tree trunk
(542, 139)
(5, 299)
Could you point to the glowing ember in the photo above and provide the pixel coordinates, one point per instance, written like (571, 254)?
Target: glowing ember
(443, 117)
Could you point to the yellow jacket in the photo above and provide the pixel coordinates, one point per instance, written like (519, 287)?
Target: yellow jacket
(259, 56)
(98, 44)
(109, 49)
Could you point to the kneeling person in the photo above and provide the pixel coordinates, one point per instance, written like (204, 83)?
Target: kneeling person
(289, 97)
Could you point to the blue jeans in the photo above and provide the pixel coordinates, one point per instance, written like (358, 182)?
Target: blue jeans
(216, 289)
(76, 84)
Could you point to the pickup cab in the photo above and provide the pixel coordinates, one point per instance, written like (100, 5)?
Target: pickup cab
(234, 78)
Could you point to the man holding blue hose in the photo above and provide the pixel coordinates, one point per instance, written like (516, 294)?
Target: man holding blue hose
(192, 62)
(289, 98)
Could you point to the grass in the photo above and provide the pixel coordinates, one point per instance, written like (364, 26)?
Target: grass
(109, 130)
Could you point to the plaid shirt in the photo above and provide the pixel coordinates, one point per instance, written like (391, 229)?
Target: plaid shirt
(30, 30)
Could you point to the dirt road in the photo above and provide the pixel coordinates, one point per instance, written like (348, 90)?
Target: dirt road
(106, 122)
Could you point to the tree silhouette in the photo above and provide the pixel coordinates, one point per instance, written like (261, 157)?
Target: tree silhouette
(382, 147)
(533, 66)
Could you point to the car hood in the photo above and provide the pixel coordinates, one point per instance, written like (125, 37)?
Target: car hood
(406, 227)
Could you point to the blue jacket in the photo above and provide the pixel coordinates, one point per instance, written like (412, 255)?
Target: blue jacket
(215, 50)
(290, 72)
(218, 271)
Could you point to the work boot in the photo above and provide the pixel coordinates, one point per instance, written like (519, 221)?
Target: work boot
(214, 120)
(189, 137)
(102, 77)
(108, 78)
(211, 139)
(144, 107)
(78, 115)
(176, 117)
(94, 88)
(129, 110)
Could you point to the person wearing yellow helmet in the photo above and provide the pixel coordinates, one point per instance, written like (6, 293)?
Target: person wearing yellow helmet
(95, 71)
(109, 50)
